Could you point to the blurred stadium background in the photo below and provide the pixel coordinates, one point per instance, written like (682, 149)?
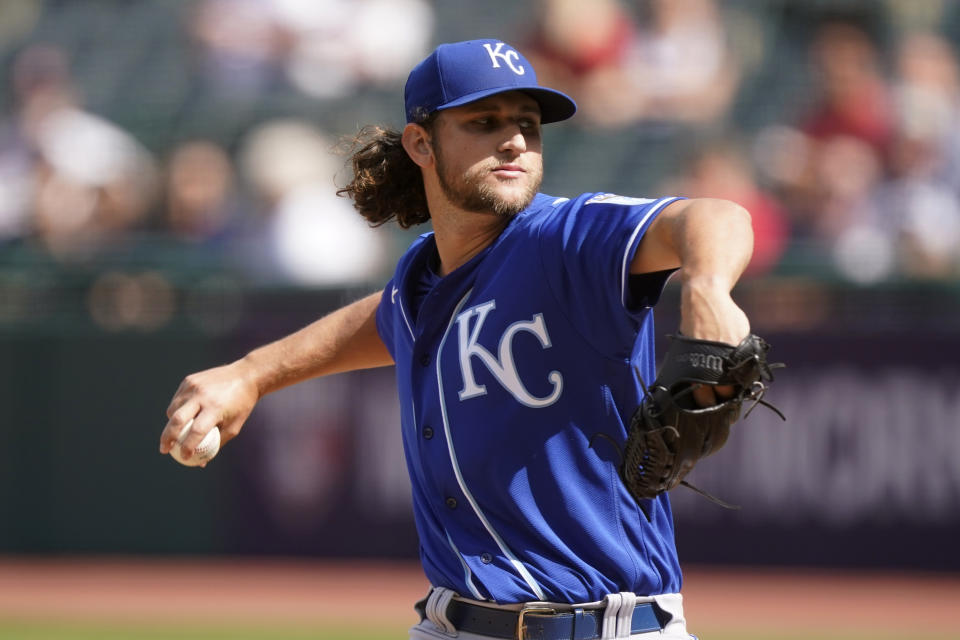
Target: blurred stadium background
(167, 179)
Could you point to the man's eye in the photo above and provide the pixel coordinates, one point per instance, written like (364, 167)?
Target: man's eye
(528, 124)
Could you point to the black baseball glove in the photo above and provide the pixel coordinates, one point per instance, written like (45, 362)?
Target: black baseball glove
(669, 433)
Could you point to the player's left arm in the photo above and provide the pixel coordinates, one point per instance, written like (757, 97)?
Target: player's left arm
(711, 241)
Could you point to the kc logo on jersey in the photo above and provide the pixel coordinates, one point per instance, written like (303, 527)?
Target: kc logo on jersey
(509, 57)
(502, 366)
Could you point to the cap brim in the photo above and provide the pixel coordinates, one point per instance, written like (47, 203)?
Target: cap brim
(554, 105)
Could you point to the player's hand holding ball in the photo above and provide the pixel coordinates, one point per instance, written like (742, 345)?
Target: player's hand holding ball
(204, 452)
(207, 411)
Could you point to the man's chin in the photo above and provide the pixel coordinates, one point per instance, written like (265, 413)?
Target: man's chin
(511, 207)
(511, 201)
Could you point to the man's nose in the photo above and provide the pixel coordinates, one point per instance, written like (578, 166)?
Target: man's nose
(516, 142)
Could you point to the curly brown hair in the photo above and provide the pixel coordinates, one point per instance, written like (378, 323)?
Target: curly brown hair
(386, 183)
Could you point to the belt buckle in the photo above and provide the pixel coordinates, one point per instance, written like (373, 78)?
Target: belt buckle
(525, 610)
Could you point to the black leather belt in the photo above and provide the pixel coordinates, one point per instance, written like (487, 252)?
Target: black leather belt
(544, 623)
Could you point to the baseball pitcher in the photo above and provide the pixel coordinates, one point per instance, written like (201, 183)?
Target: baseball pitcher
(540, 435)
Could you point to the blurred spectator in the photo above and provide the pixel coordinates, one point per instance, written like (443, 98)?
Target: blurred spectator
(200, 205)
(721, 170)
(16, 185)
(16, 189)
(848, 173)
(674, 65)
(827, 169)
(307, 234)
(89, 182)
(324, 48)
(39, 84)
(920, 205)
(854, 98)
(241, 45)
(582, 48)
(927, 93)
(683, 64)
(95, 183)
(341, 45)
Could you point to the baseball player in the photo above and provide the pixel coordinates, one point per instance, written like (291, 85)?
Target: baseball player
(521, 328)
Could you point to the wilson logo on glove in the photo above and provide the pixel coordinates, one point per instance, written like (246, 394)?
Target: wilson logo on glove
(703, 361)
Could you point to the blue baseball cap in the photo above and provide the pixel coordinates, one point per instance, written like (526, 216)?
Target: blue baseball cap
(462, 72)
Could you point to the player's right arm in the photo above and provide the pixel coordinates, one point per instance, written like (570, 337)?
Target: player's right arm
(344, 340)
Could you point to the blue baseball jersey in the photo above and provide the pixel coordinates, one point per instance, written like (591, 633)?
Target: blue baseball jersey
(517, 378)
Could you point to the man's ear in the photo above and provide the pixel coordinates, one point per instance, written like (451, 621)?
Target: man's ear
(417, 144)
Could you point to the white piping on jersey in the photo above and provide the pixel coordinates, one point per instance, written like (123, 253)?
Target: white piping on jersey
(626, 254)
(403, 314)
(467, 574)
(522, 570)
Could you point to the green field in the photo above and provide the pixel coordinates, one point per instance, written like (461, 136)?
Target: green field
(92, 631)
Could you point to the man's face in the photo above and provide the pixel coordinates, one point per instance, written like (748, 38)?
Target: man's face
(489, 153)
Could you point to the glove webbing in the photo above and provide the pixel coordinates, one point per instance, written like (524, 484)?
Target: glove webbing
(756, 394)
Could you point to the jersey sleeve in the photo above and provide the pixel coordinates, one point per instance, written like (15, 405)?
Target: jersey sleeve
(587, 245)
(386, 318)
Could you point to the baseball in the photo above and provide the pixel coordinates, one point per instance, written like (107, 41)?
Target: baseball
(204, 452)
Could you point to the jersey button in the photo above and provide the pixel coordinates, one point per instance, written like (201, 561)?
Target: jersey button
(451, 503)
(427, 433)
(486, 558)
(425, 359)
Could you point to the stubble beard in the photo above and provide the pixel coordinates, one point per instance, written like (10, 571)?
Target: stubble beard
(468, 191)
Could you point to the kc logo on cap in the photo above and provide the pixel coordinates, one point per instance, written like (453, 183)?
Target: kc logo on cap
(508, 57)
(458, 73)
